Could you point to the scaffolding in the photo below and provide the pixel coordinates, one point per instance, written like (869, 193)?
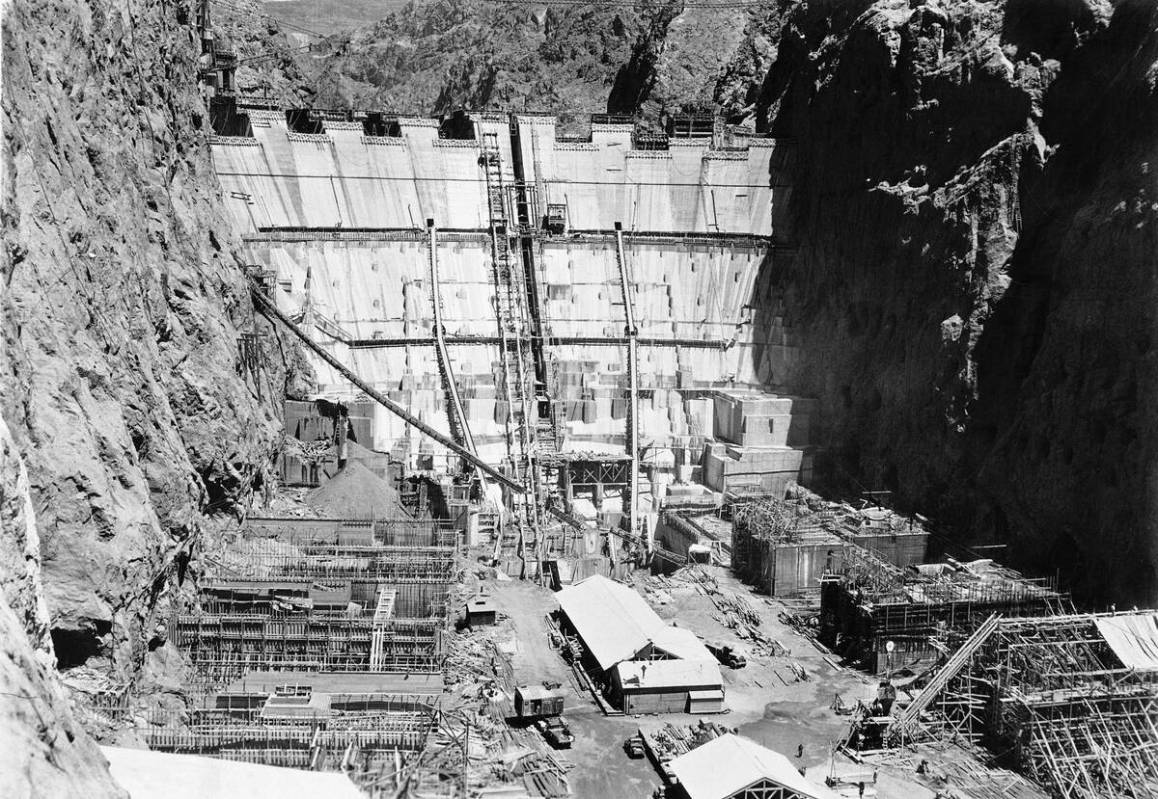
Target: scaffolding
(1056, 694)
(270, 559)
(363, 731)
(322, 596)
(889, 618)
(780, 549)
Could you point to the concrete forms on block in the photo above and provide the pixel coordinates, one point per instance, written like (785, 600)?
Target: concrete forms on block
(1070, 699)
(324, 595)
(316, 643)
(888, 618)
(787, 546)
(298, 726)
(774, 551)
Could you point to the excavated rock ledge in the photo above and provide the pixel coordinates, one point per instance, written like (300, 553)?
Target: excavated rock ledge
(45, 751)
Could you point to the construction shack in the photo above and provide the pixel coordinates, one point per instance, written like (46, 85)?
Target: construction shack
(623, 641)
(733, 767)
(1071, 698)
(889, 619)
(481, 612)
(534, 701)
(667, 686)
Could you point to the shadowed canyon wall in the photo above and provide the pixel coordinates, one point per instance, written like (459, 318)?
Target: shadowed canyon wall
(973, 298)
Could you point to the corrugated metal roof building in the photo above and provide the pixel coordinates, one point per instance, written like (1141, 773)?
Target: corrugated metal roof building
(611, 619)
(650, 667)
(668, 686)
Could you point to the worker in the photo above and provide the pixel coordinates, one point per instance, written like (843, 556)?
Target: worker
(800, 750)
(860, 789)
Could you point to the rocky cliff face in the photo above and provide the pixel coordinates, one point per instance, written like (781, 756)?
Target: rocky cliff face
(45, 751)
(973, 297)
(123, 304)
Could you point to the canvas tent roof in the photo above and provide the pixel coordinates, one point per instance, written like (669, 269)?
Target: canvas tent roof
(727, 765)
(146, 775)
(1133, 637)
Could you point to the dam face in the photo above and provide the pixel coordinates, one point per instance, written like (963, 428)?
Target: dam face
(470, 271)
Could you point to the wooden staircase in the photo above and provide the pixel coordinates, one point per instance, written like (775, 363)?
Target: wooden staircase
(904, 723)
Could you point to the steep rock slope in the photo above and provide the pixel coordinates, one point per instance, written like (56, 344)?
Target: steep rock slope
(45, 751)
(434, 57)
(973, 297)
(122, 307)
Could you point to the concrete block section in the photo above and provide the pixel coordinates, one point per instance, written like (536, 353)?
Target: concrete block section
(764, 469)
(758, 419)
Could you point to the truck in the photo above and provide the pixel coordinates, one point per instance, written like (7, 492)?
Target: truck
(556, 732)
(727, 654)
(634, 746)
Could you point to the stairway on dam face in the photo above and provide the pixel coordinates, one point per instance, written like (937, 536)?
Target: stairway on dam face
(347, 208)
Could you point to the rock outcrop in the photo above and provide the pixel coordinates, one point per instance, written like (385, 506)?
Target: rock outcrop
(973, 294)
(123, 303)
(45, 752)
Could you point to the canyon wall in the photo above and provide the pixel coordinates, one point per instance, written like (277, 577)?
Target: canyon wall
(973, 294)
(45, 752)
(123, 302)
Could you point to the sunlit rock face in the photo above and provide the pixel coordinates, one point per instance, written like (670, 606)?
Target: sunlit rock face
(123, 302)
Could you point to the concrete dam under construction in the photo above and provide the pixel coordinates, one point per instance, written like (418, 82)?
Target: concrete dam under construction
(475, 399)
(571, 309)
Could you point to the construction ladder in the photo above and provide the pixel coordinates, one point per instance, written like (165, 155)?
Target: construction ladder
(511, 312)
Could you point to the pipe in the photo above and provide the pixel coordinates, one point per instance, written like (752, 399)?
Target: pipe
(270, 311)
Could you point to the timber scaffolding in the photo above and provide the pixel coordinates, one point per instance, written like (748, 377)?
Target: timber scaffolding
(293, 726)
(1072, 699)
(326, 597)
(892, 618)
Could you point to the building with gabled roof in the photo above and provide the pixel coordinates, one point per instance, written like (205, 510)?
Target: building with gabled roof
(611, 619)
(647, 665)
(731, 767)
